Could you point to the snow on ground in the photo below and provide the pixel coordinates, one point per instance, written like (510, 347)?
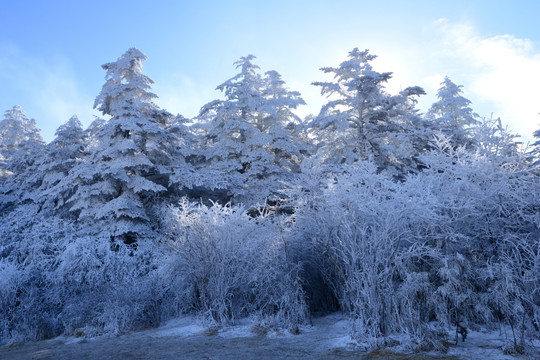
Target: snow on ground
(182, 327)
(486, 345)
(188, 338)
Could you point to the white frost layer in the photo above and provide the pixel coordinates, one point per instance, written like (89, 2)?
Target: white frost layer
(481, 345)
(184, 326)
(326, 333)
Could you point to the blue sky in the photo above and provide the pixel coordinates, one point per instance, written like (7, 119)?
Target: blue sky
(51, 51)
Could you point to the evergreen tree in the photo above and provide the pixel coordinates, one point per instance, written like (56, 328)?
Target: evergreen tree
(92, 130)
(66, 151)
(536, 148)
(188, 156)
(362, 121)
(283, 124)
(249, 135)
(452, 114)
(21, 147)
(19, 139)
(128, 167)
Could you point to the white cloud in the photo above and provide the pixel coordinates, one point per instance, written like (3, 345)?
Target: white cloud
(499, 71)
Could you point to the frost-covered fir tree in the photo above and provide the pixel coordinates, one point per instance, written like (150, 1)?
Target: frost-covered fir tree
(66, 151)
(182, 142)
(93, 129)
(250, 135)
(51, 166)
(452, 113)
(21, 147)
(19, 138)
(362, 121)
(536, 148)
(130, 164)
(282, 123)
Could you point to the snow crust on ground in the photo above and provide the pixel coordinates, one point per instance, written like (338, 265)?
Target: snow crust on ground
(328, 338)
(487, 345)
(184, 326)
(333, 331)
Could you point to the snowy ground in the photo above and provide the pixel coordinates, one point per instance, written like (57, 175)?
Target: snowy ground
(183, 339)
(487, 345)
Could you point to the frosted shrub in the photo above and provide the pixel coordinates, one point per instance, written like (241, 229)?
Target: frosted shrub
(108, 289)
(233, 265)
(29, 305)
(29, 298)
(52, 281)
(489, 238)
(8, 294)
(513, 293)
(367, 234)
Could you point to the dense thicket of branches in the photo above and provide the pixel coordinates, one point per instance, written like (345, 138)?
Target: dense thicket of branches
(413, 224)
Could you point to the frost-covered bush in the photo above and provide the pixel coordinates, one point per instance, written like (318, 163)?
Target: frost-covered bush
(490, 236)
(514, 290)
(29, 297)
(367, 236)
(452, 247)
(54, 281)
(231, 265)
(108, 289)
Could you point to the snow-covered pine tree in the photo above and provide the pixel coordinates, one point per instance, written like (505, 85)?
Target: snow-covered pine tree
(283, 124)
(21, 146)
(362, 121)
(19, 137)
(536, 148)
(130, 164)
(183, 144)
(452, 114)
(92, 130)
(250, 135)
(66, 151)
